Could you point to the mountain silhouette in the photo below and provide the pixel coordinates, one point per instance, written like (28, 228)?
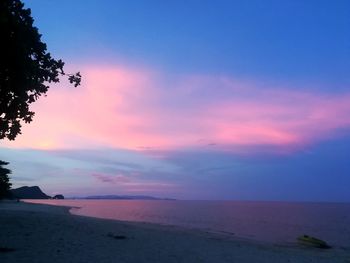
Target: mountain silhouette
(29, 192)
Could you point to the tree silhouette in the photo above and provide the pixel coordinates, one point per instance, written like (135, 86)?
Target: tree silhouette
(4, 180)
(26, 68)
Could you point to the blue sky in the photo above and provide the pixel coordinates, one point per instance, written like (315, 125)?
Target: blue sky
(289, 40)
(193, 100)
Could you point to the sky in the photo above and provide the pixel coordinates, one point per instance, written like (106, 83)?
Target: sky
(207, 100)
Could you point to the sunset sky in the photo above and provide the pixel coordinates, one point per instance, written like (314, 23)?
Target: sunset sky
(195, 99)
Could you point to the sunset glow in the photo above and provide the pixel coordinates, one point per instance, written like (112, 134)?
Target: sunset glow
(126, 108)
(221, 100)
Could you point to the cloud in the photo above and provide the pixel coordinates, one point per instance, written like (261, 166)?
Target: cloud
(84, 172)
(185, 174)
(111, 179)
(145, 110)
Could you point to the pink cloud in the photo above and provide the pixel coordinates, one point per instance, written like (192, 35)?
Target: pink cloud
(133, 185)
(111, 179)
(133, 109)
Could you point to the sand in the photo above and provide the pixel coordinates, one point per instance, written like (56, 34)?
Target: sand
(41, 233)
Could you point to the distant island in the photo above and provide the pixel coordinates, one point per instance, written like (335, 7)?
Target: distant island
(123, 197)
(34, 192)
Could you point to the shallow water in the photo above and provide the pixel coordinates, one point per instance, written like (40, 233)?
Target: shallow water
(277, 222)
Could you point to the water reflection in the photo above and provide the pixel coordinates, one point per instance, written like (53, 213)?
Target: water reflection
(265, 221)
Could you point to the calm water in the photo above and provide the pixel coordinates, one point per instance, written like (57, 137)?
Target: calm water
(265, 221)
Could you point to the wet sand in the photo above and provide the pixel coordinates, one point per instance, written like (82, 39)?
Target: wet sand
(43, 233)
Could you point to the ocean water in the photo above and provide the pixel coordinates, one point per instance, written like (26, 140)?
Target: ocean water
(275, 222)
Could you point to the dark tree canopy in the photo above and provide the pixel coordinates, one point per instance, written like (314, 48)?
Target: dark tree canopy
(4, 180)
(26, 68)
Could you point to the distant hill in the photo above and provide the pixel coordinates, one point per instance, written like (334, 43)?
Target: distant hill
(29, 192)
(58, 197)
(125, 197)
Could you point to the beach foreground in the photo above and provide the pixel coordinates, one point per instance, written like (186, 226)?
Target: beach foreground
(42, 233)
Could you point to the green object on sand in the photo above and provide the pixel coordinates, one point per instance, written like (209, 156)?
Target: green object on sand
(312, 241)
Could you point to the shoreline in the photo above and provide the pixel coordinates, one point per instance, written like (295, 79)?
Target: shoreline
(47, 233)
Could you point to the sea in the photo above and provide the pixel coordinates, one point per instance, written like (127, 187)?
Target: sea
(273, 222)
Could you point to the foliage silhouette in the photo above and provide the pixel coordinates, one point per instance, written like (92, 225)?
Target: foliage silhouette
(26, 68)
(4, 180)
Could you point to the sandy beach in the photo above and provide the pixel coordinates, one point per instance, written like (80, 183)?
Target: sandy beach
(42, 233)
